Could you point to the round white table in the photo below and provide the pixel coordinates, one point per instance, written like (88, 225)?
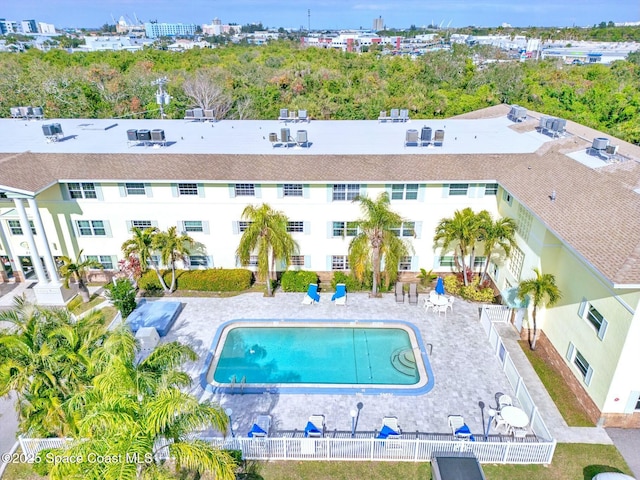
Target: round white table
(438, 300)
(514, 416)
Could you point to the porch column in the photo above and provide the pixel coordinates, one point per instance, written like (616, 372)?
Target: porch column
(48, 258)
(26, 230)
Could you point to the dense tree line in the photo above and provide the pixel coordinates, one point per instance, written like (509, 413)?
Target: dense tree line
(258, 81)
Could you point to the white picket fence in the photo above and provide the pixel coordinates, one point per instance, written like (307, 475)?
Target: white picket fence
(404, 449)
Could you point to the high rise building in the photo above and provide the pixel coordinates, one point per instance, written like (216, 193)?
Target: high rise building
(378, 24)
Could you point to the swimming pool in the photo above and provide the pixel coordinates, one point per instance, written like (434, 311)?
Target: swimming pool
(318, 356)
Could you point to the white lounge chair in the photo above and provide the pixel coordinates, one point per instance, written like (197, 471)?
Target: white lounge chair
(261, 427)
(312, 295)
(459, 429)
(340, 297)
(315, 426)
(390, 428)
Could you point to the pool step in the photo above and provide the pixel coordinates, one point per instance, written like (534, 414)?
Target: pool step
(404, 361)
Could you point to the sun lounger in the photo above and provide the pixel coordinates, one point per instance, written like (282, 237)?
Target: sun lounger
(413, 294)
(315, 426)
(390, 428)
(312, 295)
(399, 292)
(340, 297)
(261, 427)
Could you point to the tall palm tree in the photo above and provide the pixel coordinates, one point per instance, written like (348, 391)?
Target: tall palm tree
(142, 245)
(135, 411)
(172, 247)
(376, 241)
(497, 234)
(267, 235)
(543, 290)
(463, 230)
(77, 269)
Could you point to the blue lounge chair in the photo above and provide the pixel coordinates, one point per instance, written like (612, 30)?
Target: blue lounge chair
(315, 426)
(261, 428)
(340, 297)
(390, 428)
(312, 295)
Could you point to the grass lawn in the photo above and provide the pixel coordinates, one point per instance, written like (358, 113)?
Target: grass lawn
(570, 462)
(76, 306)
(567, 403)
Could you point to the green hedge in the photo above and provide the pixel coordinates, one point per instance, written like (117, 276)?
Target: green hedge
(352, 284)
(297, 281)
(473, 292)
(210, 280)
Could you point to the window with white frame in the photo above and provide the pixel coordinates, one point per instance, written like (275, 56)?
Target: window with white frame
(339, 262)
(405, 264)
(198, 261)
(478, 262)
(580, 362)
(345, 191)
(295, 227)
(16, 229)
(91, 228)
(141, 224)
(292, 190)
(243, 225)
(297, 260)
(253, 261)
(82, 190)
(491, 189)
(135, 188)
(186, 189)
(245, 189)
(506, 196)
(401, 191)
(105, 260)
(523, 222)
(192, 226)
(460, 189)
(345, 229)
(516, 260)
(447, 261)
(406, 229)
(588, 312)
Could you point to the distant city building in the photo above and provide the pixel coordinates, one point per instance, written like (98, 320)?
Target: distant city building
(46, 28)
(155, 30)
(94, 44)
(351, 41)
(378, 24)
(591, 52)
(131, 28)
(8, 26)
(217, 28)
(29, 26)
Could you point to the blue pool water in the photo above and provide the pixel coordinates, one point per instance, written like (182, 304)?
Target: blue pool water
(336, 355)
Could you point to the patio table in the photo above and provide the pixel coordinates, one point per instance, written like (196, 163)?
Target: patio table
(514, 416)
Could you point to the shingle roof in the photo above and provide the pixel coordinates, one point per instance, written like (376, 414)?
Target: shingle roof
(596, 212)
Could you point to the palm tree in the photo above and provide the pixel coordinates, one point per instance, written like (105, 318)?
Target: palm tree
(542, 289)
(172, 247)
(77, 270)
(376, 241)
(267, 235)
(464, 230)
(136, 411)
(141, 245)
(498, 234)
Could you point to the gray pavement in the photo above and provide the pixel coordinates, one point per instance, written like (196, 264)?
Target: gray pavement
(627, 441)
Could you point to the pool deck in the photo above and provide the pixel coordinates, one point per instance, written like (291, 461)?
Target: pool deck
(464, 367)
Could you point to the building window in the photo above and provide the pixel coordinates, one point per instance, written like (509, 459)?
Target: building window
(191, 226)
(295, 227)
(516, 259)
(574, 356)
(253, 261)
(523, 223)
(478, 262)
(638, 404)
(491, 189)
(297, 260)
(406, 229)
(245, 190)
(105, 260)
(141, 224)
(135, 188)
(506, 196)
(582, 364)
(91, 228)
(594, 317)
(243, 225)
(187, 189)
(401, 191)
(339, 262)
(16, 229)
(459, 189)
(405, 264)
(447, 261)
(198, 261)
(345, 229)
(346, 191)
(82, 190)
(292, 190)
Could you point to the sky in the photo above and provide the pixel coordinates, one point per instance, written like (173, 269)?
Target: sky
(327, 14)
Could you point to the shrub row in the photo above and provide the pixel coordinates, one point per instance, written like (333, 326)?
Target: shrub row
(297, 281)
(210, 280)
(473, 291)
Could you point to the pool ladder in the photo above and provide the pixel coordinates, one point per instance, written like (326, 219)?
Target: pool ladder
(234, 382)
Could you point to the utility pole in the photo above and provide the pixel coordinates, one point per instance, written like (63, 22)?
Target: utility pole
(309, 20)
(162, 97)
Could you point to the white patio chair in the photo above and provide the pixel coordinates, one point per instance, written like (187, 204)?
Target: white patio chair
(519, 433)
(428, 305)
(500, 423)
(504, 401)
(442, 309)
(450, 303)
